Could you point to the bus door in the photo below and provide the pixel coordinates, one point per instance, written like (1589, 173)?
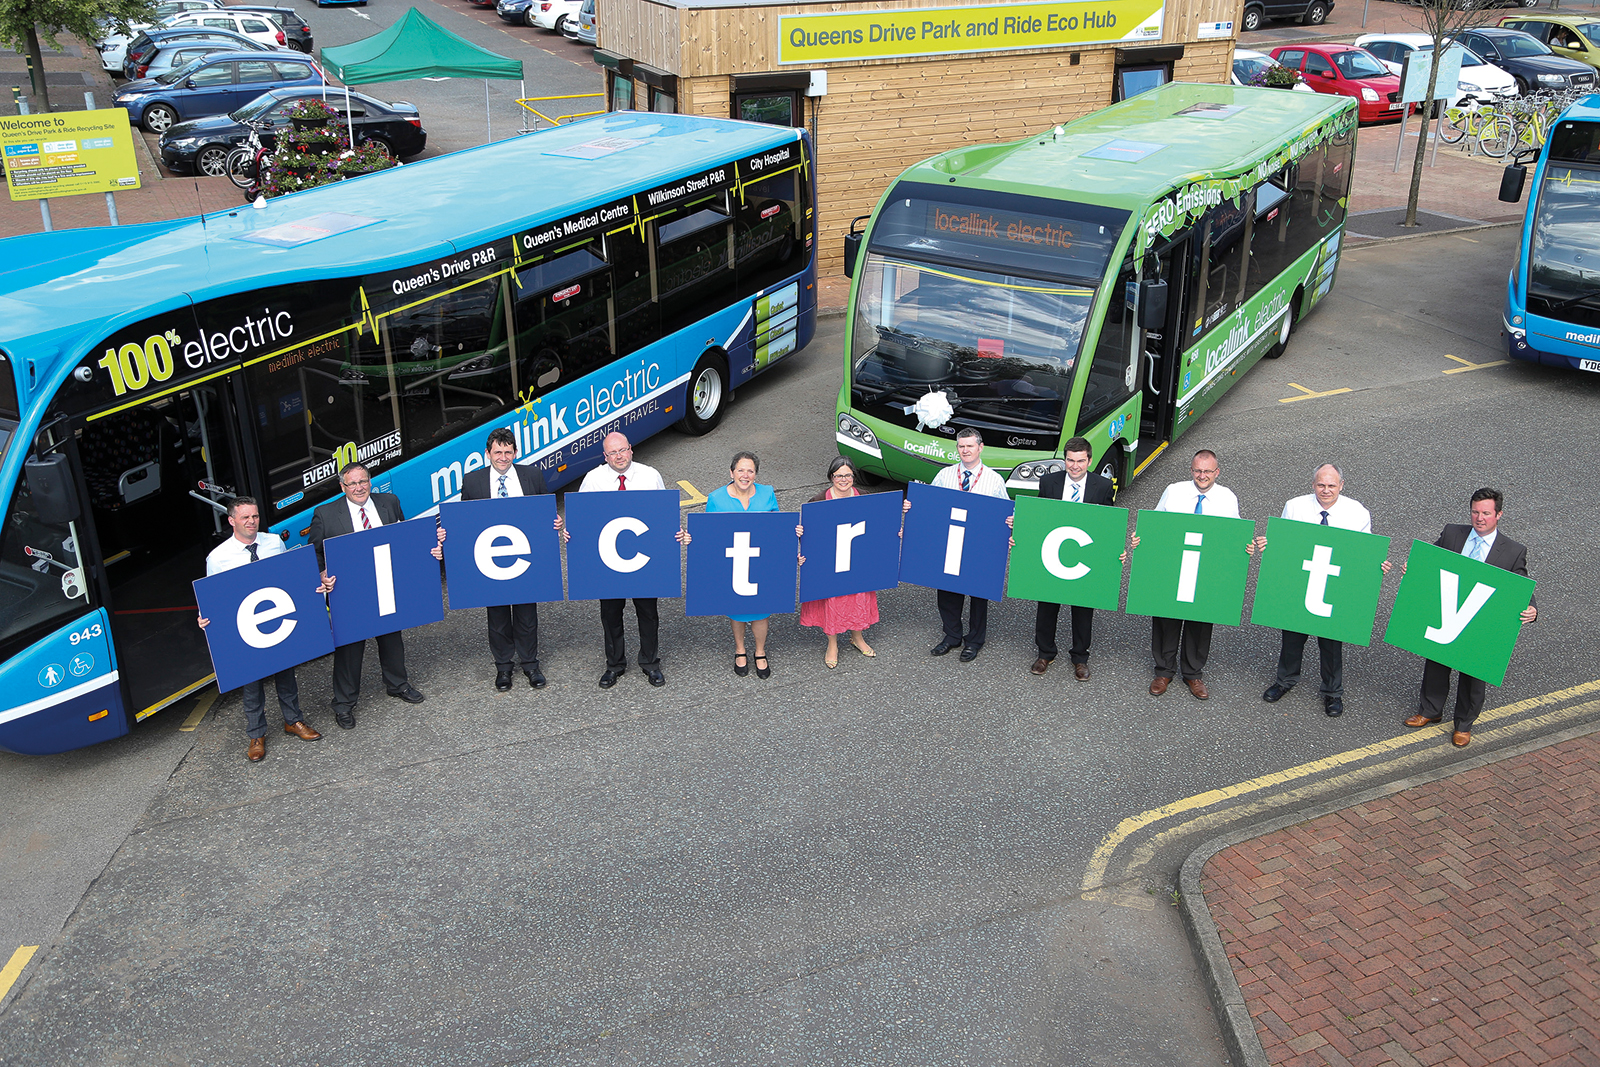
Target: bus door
(1162, 350)
(159, 476)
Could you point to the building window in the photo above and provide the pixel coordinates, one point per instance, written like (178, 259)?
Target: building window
(619, 92)
(1131, 81)
(660, 100)
(778, 99)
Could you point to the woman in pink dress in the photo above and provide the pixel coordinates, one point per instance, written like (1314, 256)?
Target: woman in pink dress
(854, 612)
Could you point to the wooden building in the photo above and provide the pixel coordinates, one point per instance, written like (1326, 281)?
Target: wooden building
(882, 85)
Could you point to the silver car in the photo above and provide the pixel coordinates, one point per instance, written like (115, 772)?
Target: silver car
(583, 29)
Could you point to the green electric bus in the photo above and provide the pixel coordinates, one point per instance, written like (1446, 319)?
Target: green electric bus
(1109, 278)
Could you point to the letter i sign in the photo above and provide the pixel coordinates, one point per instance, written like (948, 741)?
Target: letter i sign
(1459, 612)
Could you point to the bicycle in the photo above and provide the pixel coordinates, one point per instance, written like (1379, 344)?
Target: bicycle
(1466, 118)
(247, 164)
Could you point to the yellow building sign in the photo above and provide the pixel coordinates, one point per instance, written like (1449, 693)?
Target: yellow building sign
(933, 31)
(67, 153)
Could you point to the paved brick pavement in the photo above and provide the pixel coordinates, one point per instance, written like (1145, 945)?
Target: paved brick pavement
(1451, 922)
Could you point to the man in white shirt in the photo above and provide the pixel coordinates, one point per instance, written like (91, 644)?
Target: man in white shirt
(967, 476)
(619, 474)
(1200, 496)
(247, 545)
(1325, 505)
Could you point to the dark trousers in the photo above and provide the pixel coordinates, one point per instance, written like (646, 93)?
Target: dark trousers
(1165, 645)
(1044, 631)
(254, 695)
(950, 616)
(347, 670)
(644, 609)
(514, 636)
(1436, 686)
(1294, 646)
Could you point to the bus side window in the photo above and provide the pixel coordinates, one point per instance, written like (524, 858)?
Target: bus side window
(1269, 244)
(769, 227)
(635, 318)
(33, 598)
(452, 363)
(1220, 266)
(692, 261)
(1109, 381)
(563, 329)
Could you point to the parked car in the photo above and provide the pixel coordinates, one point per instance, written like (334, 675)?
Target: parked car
(256, 27)
(1527, 59)
(1248, 64)
(295, 28)
(212, 85)
(142, 47)
(113, 41)
(516, 11)
(482, 3)
(1346, 71)
(1307, 12)
(336, 3)
(1485, 81)
(1573, 36)
(553, 15)
(201, 146)
(584, 29)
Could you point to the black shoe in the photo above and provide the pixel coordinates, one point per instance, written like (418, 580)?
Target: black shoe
(410, 695)
(609, 679)
(502, 680)
(1333, 707)
(657, 679)
(970, 653)
(535, 677)
(1275, 692)
(941, 648)
(763, 672)
(346, 722)
(741, 669)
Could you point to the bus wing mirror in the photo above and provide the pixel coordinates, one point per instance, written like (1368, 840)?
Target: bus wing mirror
(50, 484)
(852, 245)
(1153, 305)
(1511, 183)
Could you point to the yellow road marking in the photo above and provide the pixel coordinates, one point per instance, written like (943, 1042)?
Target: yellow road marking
(201, 706)
(1100, 861)
(1466, 366)
(14, 966)
(1307, 394)
(1473, 240)
(695, 495)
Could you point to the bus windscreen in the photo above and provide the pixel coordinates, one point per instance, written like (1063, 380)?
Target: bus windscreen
(1562, 282)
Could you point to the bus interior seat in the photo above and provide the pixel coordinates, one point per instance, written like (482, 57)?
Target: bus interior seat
(122, 458)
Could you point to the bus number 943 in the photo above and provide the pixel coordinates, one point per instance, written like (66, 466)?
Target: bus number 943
(135, 366)
(85, 634)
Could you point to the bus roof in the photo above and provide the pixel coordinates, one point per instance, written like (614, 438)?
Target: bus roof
(1136, 151)
(72, 287)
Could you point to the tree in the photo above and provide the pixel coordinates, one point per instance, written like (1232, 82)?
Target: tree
(1443, 21)
(23, 22)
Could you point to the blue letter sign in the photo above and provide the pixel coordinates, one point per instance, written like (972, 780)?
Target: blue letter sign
(850, 545)
(623, 545)
(741, 563)
(955, 541)
(386, 580)
(501, 551)
(264, 617)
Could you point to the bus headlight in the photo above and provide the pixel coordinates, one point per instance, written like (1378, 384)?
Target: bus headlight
(1032, 472)
(856, 431)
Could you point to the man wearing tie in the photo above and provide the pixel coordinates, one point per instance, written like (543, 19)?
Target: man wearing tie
(968, 476)
(1168, 637)
(619, 474)
(247, 545)
(1076, 483)
(513, 629)
(1481, 541)
(361, 509)
(1327, 506)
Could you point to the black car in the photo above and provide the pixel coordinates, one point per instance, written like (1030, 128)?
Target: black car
(143, 46)
(1528, 59)
(520, 12)
(201, 146)
(296, 30)
(1308, 12)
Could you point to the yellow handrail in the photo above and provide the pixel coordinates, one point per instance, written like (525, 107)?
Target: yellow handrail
(529, 101)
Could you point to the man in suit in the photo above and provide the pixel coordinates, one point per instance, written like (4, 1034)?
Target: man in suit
(1481, 541)
(513, 629)
(1077, 482)
(361, 509)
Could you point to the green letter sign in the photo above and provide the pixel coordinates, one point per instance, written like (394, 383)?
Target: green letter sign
(1067, 553)
(1459, 612)
(1320, 580)
(1190, 567)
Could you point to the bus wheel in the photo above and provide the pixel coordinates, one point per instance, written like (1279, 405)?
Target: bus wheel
(708, 395)
(1285, 330)
(1110, 467)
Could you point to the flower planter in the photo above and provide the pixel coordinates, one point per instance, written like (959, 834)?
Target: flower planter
(310, 123)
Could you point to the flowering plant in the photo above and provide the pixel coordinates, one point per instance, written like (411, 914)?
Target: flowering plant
(1275, 76)
(312, 108)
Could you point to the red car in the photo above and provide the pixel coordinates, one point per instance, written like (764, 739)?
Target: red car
(1346, 71)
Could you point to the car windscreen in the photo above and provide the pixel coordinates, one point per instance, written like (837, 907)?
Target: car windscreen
(1245, 69)
(1520, 46)
(1468, 57)
(1591, 30)
(255, 108)
(172, 77)
(1359, 65)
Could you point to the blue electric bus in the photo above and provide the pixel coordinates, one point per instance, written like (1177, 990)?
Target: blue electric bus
(625, 272)
(1553, 294)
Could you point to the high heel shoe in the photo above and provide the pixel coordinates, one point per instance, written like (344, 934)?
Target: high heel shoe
(762, 672)
(740, 670)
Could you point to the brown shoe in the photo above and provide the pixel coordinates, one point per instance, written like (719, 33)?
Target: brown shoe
(1040, 665)
(1421, 720)
(1461, 738)
(1080, 671)
(258, 749)
(1159, 686)
(302, 731)
(1198, 688)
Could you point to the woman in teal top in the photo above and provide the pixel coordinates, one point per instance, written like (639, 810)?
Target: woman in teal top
(743, 494)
